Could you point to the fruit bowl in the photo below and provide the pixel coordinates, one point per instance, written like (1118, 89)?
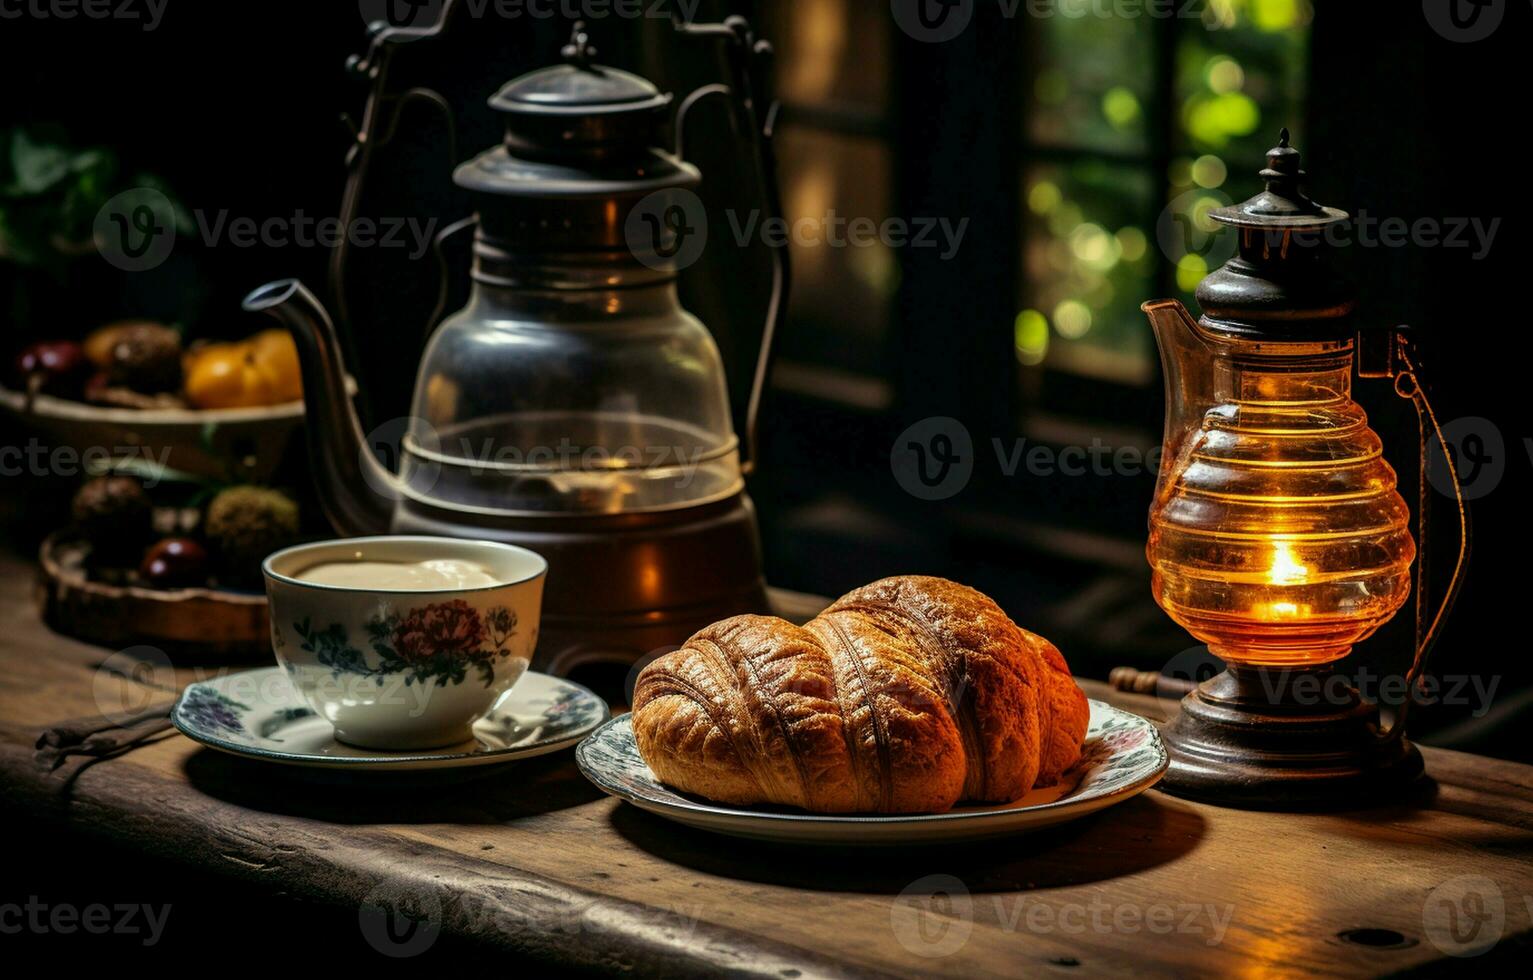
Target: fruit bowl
(223, 443)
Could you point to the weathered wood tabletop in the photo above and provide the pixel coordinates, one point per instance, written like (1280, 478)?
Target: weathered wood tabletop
(534, 860)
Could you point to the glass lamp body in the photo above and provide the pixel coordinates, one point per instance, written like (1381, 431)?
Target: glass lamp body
(1277, 535)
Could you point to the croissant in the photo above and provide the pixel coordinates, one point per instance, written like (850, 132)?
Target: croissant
(905, 696)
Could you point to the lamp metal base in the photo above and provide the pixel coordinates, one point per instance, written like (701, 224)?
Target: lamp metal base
(1284, 739)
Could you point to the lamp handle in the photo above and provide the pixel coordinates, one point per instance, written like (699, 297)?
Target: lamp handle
(1399, 363)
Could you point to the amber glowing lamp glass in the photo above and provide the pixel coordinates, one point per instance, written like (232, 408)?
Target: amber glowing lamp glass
(1278, 536)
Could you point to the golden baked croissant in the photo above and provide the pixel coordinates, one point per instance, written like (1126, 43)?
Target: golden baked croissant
(905, 696)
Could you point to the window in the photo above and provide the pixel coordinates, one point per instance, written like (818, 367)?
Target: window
(1133, 127)
(1138, 125)
(1119, 133)
(833, 80)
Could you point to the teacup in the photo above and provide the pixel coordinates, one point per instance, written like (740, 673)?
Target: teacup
(404, 669)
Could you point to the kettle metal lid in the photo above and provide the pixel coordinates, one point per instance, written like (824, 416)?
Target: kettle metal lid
(580, 151)
(577, 130)
(580, 88)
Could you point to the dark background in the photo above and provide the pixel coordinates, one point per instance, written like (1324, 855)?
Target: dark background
(237, 108)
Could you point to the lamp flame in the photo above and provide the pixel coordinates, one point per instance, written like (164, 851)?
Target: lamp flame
(1286, 569)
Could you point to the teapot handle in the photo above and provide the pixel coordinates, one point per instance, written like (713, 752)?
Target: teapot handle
(1391, 354)
(750, 66)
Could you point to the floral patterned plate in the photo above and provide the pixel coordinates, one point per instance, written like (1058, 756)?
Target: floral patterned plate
(1123, 757)
(257, 714)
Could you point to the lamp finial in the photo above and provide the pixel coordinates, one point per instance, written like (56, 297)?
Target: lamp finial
(580, 50)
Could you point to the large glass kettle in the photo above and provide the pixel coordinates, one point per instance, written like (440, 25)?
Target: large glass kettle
(573, 382)
(572, 406)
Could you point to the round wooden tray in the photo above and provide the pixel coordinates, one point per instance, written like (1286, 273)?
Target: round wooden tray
(201, 625)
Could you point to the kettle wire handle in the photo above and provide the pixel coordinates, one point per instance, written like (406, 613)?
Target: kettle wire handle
(443, 272)
(750, 61)
(375, 129)
(1397, 361)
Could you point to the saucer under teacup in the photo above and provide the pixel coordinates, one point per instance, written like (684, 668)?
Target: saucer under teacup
(257, 714)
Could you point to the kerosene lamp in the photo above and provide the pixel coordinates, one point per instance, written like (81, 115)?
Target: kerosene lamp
(1277, 534)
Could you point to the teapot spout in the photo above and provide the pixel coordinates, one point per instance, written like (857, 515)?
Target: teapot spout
(1187, 363)
(356, 492)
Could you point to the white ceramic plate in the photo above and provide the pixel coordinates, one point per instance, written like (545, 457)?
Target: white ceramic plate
(1123, 757)
(257, 714)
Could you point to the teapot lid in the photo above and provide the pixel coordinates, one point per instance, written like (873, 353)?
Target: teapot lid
(580, 149)
(1280, 286)
(1283, 204)
(579, 87)
(576, 115)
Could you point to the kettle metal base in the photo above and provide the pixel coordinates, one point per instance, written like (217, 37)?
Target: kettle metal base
(1284, 739)
(623, 586)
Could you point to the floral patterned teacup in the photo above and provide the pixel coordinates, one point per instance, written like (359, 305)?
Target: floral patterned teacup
(404, 670)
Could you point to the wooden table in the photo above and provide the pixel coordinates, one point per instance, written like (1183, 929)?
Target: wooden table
(533, 861)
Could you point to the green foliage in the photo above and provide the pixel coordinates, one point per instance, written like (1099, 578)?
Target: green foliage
(1092, 249)
(50, 194)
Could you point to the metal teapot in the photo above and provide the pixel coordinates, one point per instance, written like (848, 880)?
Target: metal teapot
(572, 406)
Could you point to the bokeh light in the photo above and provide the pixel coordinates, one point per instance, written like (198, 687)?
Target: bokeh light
(1214, 120)
(1190, 270)
(1031, 333)
(1072, 319)
(1209, 171)
(1133, 244)
(1043, 197)
(1094, 247)
(1225, 75)
(1120, 106)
